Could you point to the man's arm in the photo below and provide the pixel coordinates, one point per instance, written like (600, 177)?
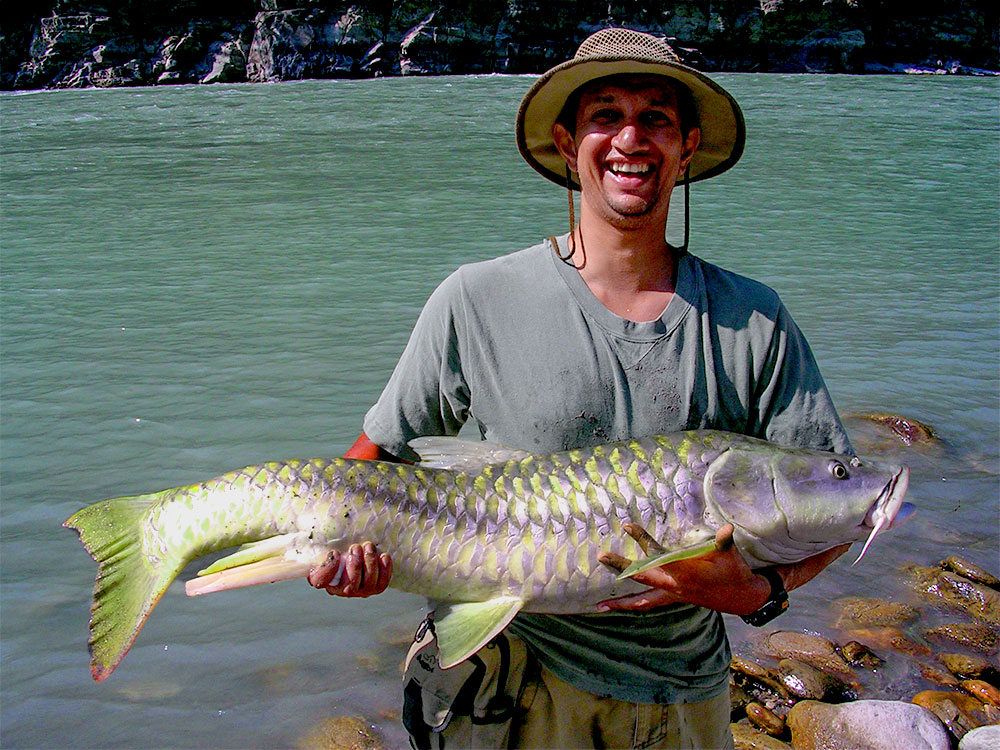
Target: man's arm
(361, 571)
(720, 580)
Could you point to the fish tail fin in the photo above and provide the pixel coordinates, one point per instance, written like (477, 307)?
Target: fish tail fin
(129, 582)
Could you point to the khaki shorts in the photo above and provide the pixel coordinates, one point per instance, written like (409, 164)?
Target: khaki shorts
(501, 697)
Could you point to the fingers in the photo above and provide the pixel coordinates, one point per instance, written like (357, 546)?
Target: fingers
(638, 602)
(360, 572)
(649, 545)
(616, 562)
(724, 537)
(327, 573)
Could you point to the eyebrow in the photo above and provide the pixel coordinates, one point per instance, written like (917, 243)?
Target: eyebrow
(609, 99)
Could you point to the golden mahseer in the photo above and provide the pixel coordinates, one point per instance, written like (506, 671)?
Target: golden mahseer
(483, 531)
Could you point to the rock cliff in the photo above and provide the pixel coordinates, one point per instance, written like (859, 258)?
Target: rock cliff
(71, 43)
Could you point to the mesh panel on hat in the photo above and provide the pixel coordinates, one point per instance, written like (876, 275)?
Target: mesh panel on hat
(626, 43)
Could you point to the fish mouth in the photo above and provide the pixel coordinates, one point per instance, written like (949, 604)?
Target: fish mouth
(888, 510)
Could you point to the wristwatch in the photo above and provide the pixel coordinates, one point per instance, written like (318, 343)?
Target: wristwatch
(776, 603)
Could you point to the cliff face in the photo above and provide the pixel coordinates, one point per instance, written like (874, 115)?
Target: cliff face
(68, 43)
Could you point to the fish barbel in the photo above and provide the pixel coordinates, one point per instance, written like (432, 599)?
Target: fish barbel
(483, 530)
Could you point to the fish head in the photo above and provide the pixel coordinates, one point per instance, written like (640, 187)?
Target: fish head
(787, 504)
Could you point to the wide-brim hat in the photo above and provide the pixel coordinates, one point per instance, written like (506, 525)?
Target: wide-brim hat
(623, 51)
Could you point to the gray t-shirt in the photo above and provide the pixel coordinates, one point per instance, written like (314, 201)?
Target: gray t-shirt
(521, 346)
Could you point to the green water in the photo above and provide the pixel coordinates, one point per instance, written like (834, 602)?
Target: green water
(197, 278)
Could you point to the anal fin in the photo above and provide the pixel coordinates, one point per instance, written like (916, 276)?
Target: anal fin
(464, 628)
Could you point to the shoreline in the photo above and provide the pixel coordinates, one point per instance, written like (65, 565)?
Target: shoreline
(70, 44)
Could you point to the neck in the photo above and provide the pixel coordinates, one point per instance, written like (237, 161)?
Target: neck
(630, 269)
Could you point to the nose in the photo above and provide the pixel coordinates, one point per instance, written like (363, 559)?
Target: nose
(628, 137)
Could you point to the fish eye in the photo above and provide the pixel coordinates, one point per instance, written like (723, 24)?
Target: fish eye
(838, 470)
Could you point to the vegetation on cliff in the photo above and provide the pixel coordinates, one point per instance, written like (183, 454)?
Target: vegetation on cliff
(71, 43)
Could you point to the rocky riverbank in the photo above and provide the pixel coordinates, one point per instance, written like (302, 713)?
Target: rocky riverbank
(68, 43)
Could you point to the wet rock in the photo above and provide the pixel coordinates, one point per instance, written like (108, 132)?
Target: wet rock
(151, 691)
(938, 676)
(765, 720)
(757, 681)
(970, 667)
(812, 649)
(874, 725)
(971, 571)
(861, 612)
(738, 699)
(893, 638)
(983, 691)
(859, 655)
(747, 738)
(875, 432)
(950, 589)
(983, 738)
(958, 712)
(974, 636)
(341, 733)
(805, 682)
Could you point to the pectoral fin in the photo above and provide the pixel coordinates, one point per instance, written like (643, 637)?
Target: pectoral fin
(669, 556)
(462, 629)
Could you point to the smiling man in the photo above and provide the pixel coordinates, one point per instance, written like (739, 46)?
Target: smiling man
(604, 334)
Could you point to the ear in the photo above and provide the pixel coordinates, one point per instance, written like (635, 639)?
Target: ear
(565, 145)
(690, 146)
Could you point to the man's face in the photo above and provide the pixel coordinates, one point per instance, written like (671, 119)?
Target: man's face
(628, 148)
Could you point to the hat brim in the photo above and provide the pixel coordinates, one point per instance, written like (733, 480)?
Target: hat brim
(723, 130)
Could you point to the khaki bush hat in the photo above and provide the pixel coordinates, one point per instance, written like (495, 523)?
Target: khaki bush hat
(623, 51)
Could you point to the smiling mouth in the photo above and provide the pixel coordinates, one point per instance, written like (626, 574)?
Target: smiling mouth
(631, 169)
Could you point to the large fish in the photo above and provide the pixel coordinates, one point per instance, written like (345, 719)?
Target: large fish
(485, 531)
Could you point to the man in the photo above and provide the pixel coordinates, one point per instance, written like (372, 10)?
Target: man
(604, 334)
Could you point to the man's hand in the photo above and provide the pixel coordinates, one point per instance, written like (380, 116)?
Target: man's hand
(720, 580)
(360, 572)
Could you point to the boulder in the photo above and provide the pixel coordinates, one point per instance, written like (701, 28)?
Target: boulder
(984, 738)
(958, 712)
(861, 612)
(746, 737)
(974, 636)
(870, 724)
(813, 649)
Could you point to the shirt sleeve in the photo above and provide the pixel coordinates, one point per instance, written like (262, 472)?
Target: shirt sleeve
(794, 406)
(427, 393)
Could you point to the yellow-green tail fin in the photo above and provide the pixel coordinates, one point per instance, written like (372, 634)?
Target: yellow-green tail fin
(129, 581)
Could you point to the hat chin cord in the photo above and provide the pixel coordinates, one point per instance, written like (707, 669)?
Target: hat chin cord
(687, 213)
(571, 240)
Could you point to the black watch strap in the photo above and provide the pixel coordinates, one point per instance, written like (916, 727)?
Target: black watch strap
(776, 603)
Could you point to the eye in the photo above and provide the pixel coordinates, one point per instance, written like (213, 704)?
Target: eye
(604, 115)
(656, 119)
(838, 470)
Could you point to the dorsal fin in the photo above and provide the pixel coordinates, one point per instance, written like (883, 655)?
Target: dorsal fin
(443, 452)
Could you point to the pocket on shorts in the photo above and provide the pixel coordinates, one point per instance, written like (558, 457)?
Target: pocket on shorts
(469, 705)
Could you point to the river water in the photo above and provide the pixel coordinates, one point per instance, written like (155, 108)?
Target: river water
(199, 278)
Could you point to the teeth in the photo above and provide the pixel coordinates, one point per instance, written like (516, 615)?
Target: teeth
(632, 168)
